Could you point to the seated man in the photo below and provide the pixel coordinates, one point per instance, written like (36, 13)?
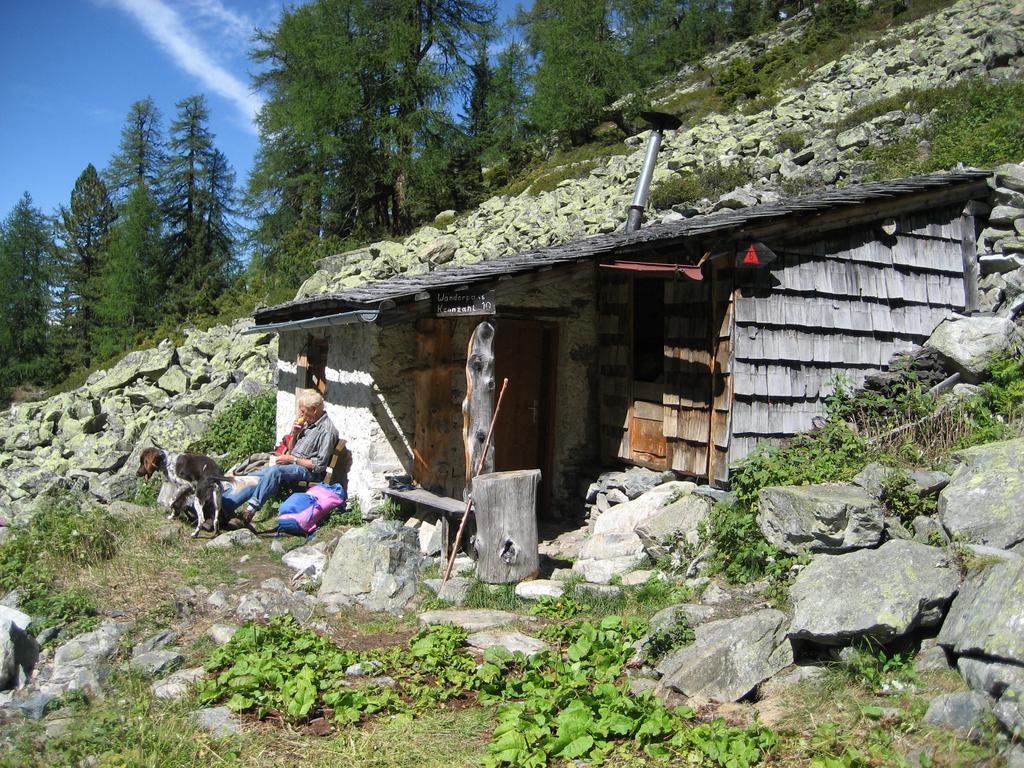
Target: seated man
(315, 438)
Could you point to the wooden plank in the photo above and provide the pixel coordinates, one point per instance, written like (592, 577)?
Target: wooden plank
(649, 411)
(422, 497)
(969, 259)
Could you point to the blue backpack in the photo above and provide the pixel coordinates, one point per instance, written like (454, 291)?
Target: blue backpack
(302, 513)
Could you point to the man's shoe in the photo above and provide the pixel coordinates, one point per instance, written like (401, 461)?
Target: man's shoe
(248, 515)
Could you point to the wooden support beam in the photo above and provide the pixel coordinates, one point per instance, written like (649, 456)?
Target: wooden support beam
(478, 407)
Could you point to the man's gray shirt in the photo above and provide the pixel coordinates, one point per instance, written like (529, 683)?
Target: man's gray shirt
(316, 441)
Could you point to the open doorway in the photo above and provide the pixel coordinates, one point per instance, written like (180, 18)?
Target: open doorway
(525, 352)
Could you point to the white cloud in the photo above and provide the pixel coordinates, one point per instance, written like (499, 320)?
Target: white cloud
(227, 21)
(165, 26)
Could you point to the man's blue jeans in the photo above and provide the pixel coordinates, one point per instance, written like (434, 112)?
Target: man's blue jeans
(271, 480)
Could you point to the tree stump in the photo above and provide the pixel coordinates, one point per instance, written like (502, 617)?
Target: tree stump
(506, 526)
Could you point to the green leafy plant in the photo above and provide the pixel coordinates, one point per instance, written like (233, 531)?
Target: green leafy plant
(146, 491)
(901, 497)
(563, 704)
(678, 634)
(557, 607)
(243, 428)
(878, 670)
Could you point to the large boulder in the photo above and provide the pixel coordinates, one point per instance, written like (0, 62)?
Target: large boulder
(614, 548)
(984, 501)
(19, 653)
(624, 518)
(374, 566)
(673, 525)
(882, 593)
(729, 657)
(830, 517)
(82, 663)
(273, 598)
(987, 617)
(968, 344)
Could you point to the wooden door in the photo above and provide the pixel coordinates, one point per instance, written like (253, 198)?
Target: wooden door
(524, 353)
(436, 411)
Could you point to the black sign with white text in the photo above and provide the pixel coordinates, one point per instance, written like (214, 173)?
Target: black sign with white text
(463, 303)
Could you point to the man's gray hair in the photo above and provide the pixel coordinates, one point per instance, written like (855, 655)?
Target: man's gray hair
(309, 397)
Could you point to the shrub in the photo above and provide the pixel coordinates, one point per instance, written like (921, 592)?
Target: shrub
(710, 181)
(245, 427)
(901, 498)
(794, 141)
(973, 122)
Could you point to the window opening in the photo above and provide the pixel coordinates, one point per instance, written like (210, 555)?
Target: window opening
(648, 330)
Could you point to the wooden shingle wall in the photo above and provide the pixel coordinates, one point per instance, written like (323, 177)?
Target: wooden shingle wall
(841, 305)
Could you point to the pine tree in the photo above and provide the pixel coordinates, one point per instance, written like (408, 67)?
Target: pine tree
(26, 252)
(128, 288)
(83, 229)
(140, 154)
(581, 65)
(505, 110)
(355, 100)
(198, 201)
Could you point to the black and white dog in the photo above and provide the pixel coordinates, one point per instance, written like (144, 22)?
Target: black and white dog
(192, 475)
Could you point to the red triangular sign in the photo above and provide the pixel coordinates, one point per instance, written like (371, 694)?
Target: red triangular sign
(756, 255)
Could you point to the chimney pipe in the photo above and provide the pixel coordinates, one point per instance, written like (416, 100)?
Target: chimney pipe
(660, 121)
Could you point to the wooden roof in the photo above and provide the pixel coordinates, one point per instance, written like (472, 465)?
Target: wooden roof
(916, 191)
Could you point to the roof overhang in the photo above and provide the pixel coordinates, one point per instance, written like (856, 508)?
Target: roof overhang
(325, 321)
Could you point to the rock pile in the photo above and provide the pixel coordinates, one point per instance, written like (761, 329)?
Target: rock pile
(89, 439)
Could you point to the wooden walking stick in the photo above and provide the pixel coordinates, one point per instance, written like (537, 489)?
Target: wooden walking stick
(469, 498)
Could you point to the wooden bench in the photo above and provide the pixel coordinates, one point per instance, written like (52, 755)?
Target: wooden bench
(447, 509)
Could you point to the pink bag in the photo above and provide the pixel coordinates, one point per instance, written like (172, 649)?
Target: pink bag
(302, 513)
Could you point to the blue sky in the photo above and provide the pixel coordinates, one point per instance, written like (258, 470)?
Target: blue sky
(70, 70)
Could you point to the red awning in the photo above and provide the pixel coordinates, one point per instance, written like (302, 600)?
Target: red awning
(657, 268)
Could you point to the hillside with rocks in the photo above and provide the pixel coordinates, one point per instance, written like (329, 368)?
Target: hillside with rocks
(882, 625)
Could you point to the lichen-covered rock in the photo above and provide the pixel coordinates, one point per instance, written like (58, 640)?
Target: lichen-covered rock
(272, 599)
(960, 712)
(829, 517)
(513, 642)
(374, 566)
(472, 620)
(82, 663)
(968, 344)
(987, 618)
(984, 501)
(882, 593)
(729, 657)
(674, 525)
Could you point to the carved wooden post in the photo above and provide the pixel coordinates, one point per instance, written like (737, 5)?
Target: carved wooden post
(478, 407)
(506, 526)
